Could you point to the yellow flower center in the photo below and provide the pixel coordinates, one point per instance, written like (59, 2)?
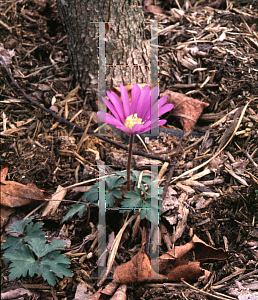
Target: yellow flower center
(132, 120)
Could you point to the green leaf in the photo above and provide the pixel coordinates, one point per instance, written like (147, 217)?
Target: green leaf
(121, 173)
(133, 201)
(47, 274)
(136, 173)
(40, 248)
(13, 242)
(116, 193)
(57, 264)
(36, 257)
(109, 199)
(19, 226)
(33, 231)
(150, 210)
(92, 195)
(142, 188)
(153, 191)
(146, 179)
(76, 208)
(111, 182)
(23, 260)
(120, 181)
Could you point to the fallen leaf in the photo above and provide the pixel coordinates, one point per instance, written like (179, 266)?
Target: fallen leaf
(4, 172)
(182, 262)
(155, 9)
(187, 109)
(110, 288)
(120, 293)
(16, 293)
(72, 93)
(15, 194)
(135, 270)
(190, 271)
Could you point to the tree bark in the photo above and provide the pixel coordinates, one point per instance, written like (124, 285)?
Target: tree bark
(127, 55)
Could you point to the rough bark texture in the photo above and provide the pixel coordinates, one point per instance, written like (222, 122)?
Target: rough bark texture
(124, 41)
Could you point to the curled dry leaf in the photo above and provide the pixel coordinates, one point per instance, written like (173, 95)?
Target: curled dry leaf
(20, 292)
(183, 262)
(135, 270)
(15, 194)
(187, 109)
(149, 7)
(120, 294)
(154, 9)
(110, 288)
(190, 271)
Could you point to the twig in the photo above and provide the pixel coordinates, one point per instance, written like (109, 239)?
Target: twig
(76, 127)
(170, 174)
(250, 158)
(247, 275)
(5, 25)
(205, 293)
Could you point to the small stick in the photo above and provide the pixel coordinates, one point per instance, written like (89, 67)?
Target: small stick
(129, 161)
(206, 293)
(170, 174)
(250, 158)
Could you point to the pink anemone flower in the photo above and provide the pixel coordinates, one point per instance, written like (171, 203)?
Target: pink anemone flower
(139, 116)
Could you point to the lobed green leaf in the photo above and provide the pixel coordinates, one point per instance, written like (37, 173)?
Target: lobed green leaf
(19, 226)
(76, 208)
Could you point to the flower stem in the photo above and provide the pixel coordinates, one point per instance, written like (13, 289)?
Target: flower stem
(129, 162)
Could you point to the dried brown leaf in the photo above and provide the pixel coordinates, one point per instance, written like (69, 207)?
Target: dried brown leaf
(182, 262)
(189, 271)
(110, 288)
(135, 270)
(120, 294)
(15, 194)
(187, 109)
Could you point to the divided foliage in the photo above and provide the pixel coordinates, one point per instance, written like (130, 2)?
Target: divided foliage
(147, 200)
(29, 253)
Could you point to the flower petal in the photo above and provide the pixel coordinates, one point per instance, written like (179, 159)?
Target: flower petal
(154, 94)
(125, 129)
(135, 94)
(108, 118)
(146, 114)
(162, 122)
(126, 102)
(141, 128)
(111, 108)
(157, 123)
(155, 109)
(117, 103)
(164, 109)
(144, 101)
(159, 104)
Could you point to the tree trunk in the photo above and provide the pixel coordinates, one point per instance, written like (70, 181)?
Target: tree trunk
(108, 53)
